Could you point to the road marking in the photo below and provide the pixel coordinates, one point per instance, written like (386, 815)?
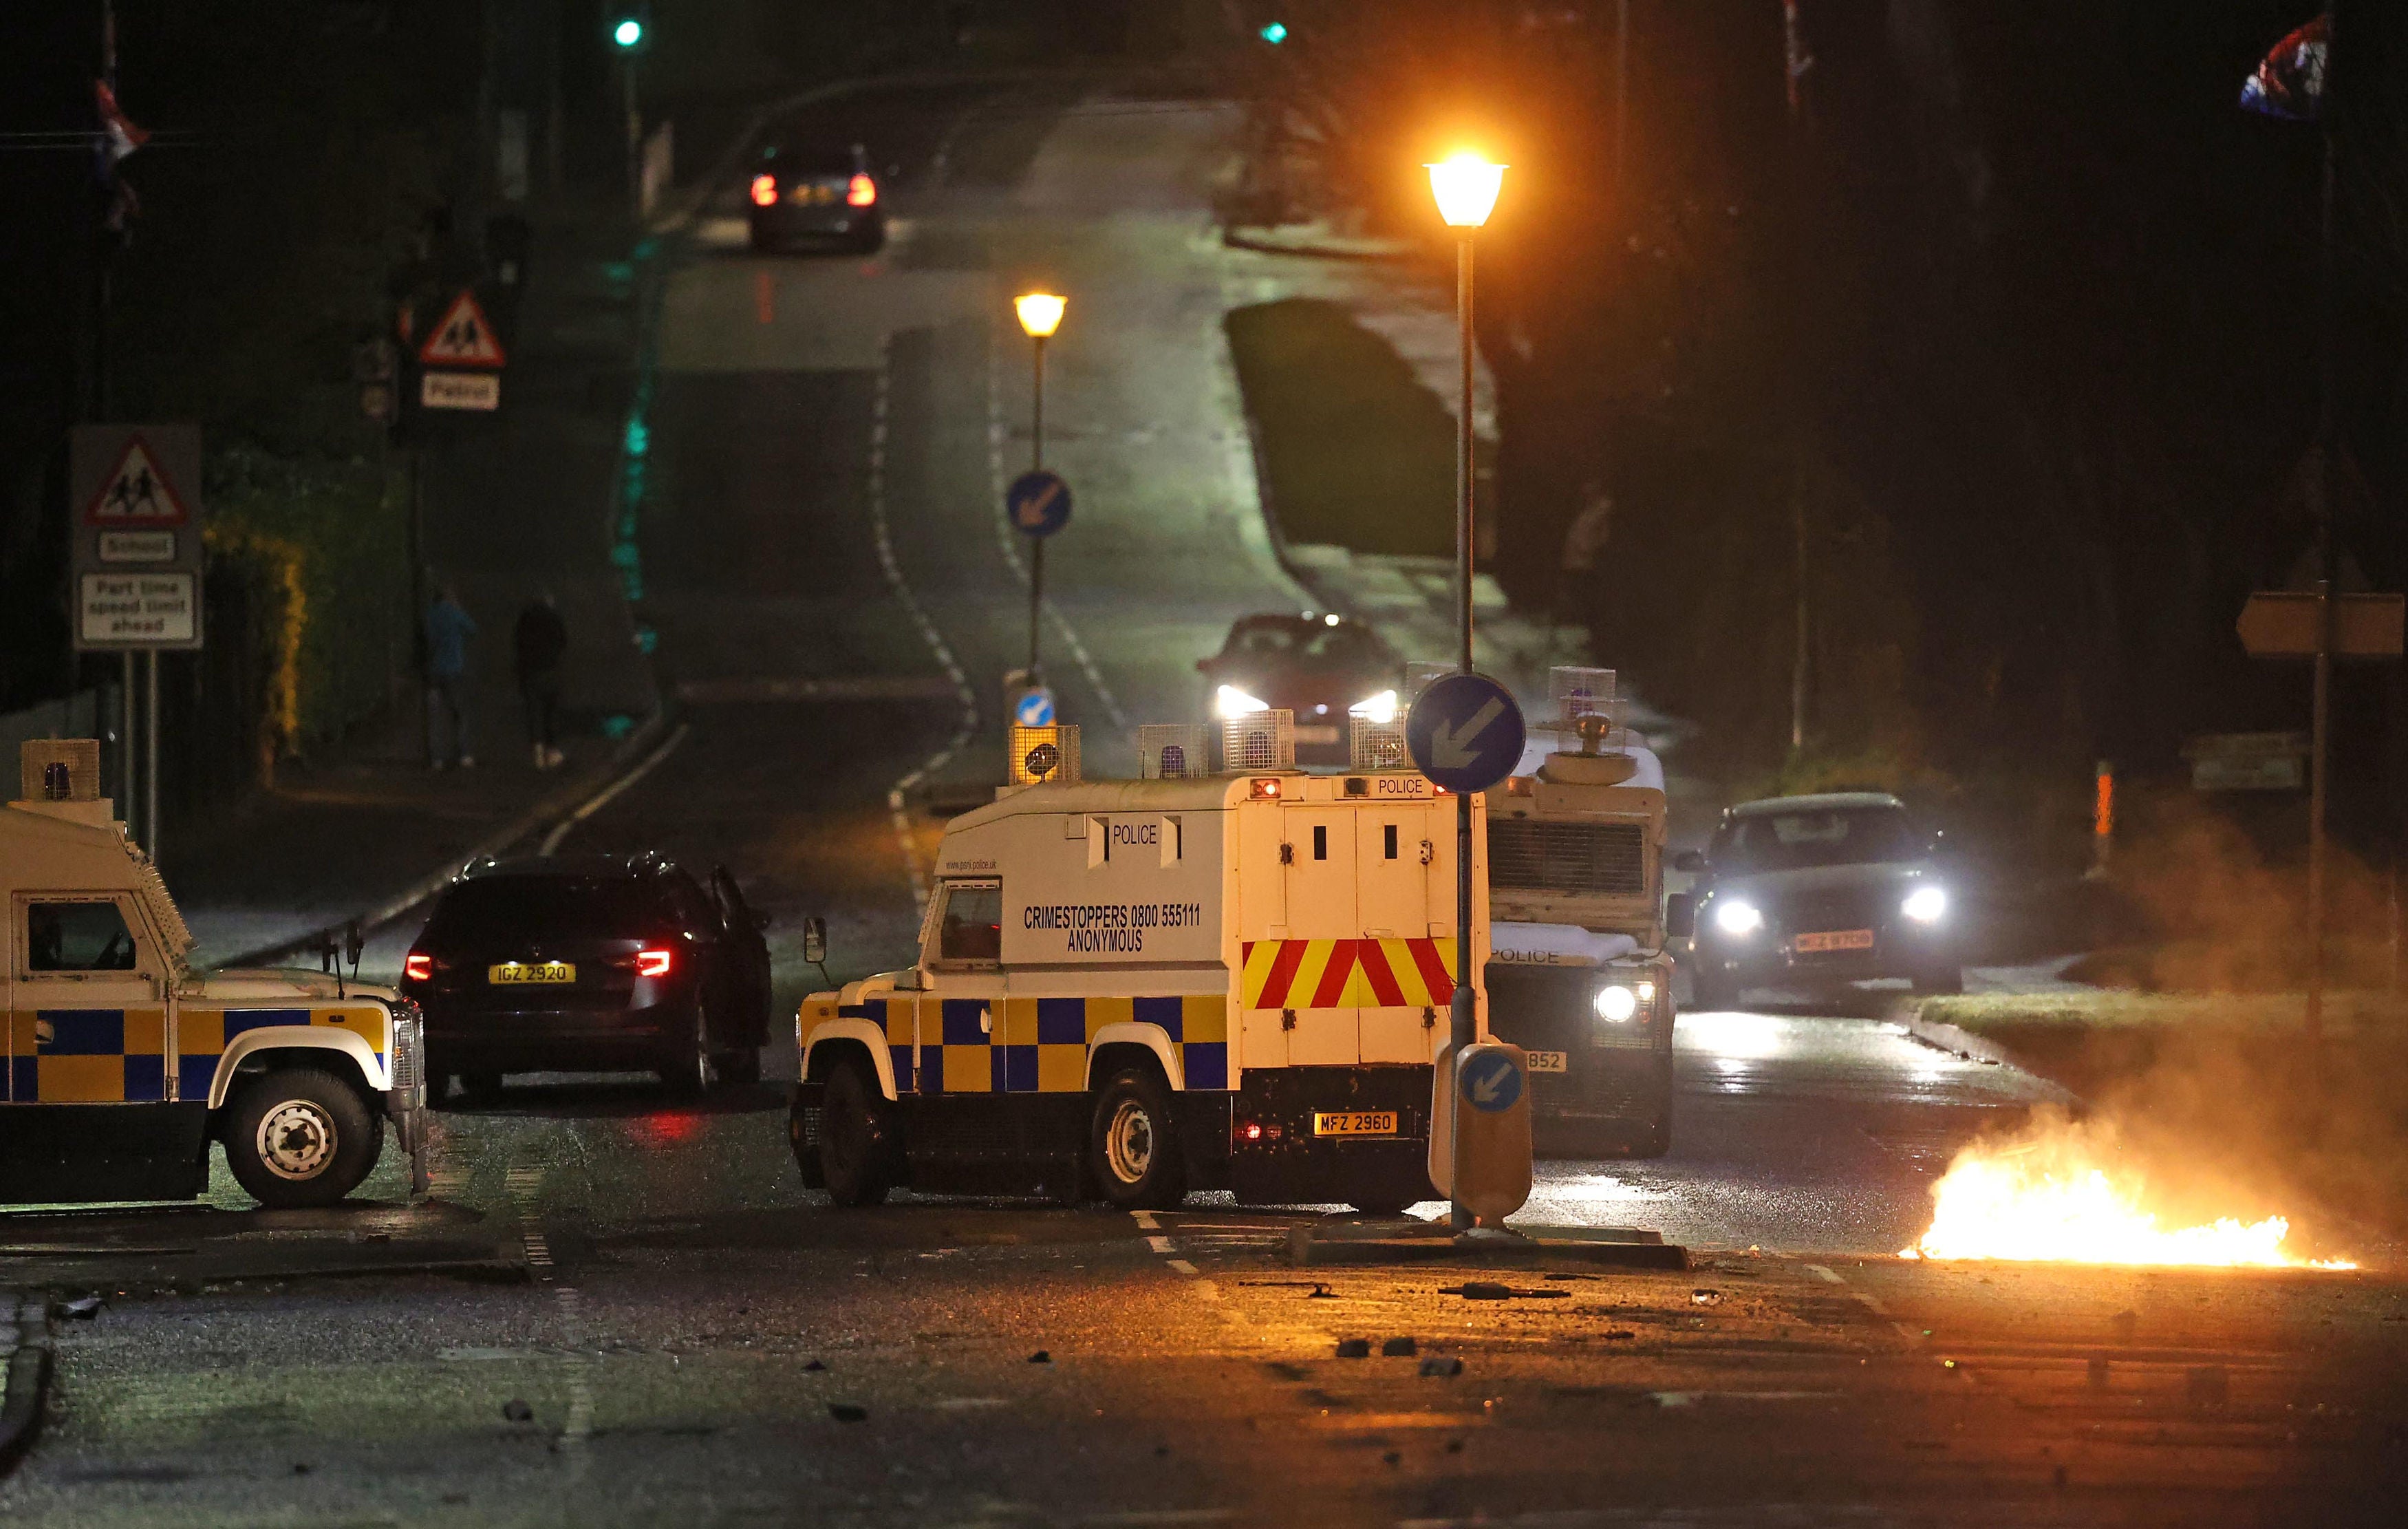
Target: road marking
(1146, 1220)
(1161, 1245)
(1008, 539)
(524, 1183)
(897, 795)
(561, 830)
(1184, 1266)
(1824, 1274)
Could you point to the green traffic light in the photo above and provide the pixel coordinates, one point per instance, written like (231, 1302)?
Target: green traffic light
(628, 33)
(1275, 33)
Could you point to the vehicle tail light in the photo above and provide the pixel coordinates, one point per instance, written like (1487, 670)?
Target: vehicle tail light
(765, 190)
(651, 963)
(861, 191)
(1266, 788)
(418, 967)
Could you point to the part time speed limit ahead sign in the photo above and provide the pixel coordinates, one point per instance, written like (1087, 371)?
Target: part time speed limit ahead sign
(134, 499)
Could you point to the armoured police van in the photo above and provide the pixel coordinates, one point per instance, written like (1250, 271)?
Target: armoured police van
(1578, 975)
(1137, 988)
(119, 1065)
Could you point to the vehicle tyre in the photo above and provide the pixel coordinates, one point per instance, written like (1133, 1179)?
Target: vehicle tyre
(300, 1136)
(480, 1087)
(1713, 986)
(1940, 981)
(1134, 1148)
(690, 1072)
(1655, 1140)
(806, 1151)
(857, 1138)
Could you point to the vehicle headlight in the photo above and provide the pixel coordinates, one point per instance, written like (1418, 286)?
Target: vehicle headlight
(1231, 702)
(1737, 917)
(1381, 709)
(1926, 905)
(1617, 1004)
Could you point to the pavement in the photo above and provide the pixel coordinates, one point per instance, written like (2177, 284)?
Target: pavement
(24, 1371)
(680, 1332)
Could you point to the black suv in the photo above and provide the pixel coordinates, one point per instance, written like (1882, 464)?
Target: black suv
(590, 963)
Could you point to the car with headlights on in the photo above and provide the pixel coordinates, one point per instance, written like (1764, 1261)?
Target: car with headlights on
(802, 194)
(590, 963)
(1326, 669)
(1815, 892)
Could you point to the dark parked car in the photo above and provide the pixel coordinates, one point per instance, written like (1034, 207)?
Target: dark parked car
(1323, 668)
(590, 963)
(1815, 892)
(815, 194)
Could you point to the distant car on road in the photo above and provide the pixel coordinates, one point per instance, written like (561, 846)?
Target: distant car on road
(1323, 668)
(590, 963)
(816, 193)
(1818, 892)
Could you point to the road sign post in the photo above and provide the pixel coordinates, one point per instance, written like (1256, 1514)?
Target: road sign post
(1479, 1129)
(134, 496)
(461, 359)
(1038, 504)
(1466, 733)
(2324, 627)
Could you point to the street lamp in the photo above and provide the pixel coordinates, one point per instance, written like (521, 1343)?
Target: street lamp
(1040, 314)
(1466, 185)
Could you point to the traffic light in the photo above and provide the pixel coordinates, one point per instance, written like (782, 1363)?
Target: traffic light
(628, 33)
(1274, 34)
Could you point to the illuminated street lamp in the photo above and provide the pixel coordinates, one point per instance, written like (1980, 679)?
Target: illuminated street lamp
(1466, 185)
(1040, 314)
(627, 34)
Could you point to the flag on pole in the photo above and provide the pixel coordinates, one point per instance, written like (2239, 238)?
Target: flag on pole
(2290, 83)
(119, 137)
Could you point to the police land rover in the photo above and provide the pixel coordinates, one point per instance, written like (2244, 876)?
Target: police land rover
(1137, 989)
(1578, 974)
(122, 1066)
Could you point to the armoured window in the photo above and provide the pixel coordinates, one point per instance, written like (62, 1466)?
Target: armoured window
(1389, 838)
(970, 928)
(1320, 841)
(77, 937)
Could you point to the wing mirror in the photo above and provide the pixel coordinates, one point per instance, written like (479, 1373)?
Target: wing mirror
(815, 940)
(1681, 916)
(1690, 860)
(355, 942)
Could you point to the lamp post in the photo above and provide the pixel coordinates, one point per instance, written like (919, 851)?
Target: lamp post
(627, 35)
(1040, 314)
(1465, 187)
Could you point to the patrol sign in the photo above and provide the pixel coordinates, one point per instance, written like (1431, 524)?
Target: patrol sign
(133, 491)
(1465, 732)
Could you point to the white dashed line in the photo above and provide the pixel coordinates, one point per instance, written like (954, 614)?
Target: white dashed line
(1161, 1245)
(1009, 540)
(1183, 1267)
(568, 825)
(579, 1427)
(1144, 1219)
(1824, 1275)
(897, 795)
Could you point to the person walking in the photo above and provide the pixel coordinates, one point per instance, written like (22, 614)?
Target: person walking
(539, 644)
(449, 630)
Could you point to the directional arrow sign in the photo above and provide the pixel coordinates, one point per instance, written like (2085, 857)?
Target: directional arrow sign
(1465, 733)
(1038, 502)
(1491, 1081)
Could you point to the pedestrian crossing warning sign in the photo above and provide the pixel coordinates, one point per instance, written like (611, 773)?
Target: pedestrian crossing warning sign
(136, 493)
(464, 337)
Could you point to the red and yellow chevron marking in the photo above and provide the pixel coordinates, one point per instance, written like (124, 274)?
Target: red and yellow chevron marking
(1348, 974)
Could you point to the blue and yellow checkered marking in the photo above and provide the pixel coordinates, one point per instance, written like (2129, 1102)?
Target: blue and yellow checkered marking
(88, 1055)
(1030, 1045)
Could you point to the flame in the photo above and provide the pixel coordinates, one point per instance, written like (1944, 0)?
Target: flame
(2051, 1200)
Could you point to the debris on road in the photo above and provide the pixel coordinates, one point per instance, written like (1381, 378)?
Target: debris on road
(1400, 1349)
(1705, 1298)
(848, 1412)
(1043, 1356)
(814, 1367)
(515, 1410)
(83, 1309)
(1485, 1290)
(1353, 1347)
(1443, 1366)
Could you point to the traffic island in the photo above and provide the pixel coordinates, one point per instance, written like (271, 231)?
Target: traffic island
(1410, 1241)
(25, 1368)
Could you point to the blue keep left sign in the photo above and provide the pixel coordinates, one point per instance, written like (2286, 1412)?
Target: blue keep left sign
(1490, 1081)
(1038, 502)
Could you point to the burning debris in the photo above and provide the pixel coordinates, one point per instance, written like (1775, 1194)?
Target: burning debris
(2058, 1194)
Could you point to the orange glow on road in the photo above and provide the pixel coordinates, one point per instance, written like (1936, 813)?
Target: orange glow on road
(2050, 1199)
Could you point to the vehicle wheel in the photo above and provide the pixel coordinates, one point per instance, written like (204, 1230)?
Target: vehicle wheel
(740, 1068)
(1940, 981)
(857, 1143)
(1135, 1146)
(299, 1138)
(690, 1072)
(480, 1087)
(1712, 987)
(1655, 1140)
(807, 1152)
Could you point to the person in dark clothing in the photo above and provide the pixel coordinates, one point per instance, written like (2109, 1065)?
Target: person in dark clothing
(449, 630)
(540, 642)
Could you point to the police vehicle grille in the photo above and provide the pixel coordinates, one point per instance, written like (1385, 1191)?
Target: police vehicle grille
(1528, 855)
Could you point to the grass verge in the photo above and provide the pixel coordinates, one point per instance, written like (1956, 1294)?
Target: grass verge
(1355, 450)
